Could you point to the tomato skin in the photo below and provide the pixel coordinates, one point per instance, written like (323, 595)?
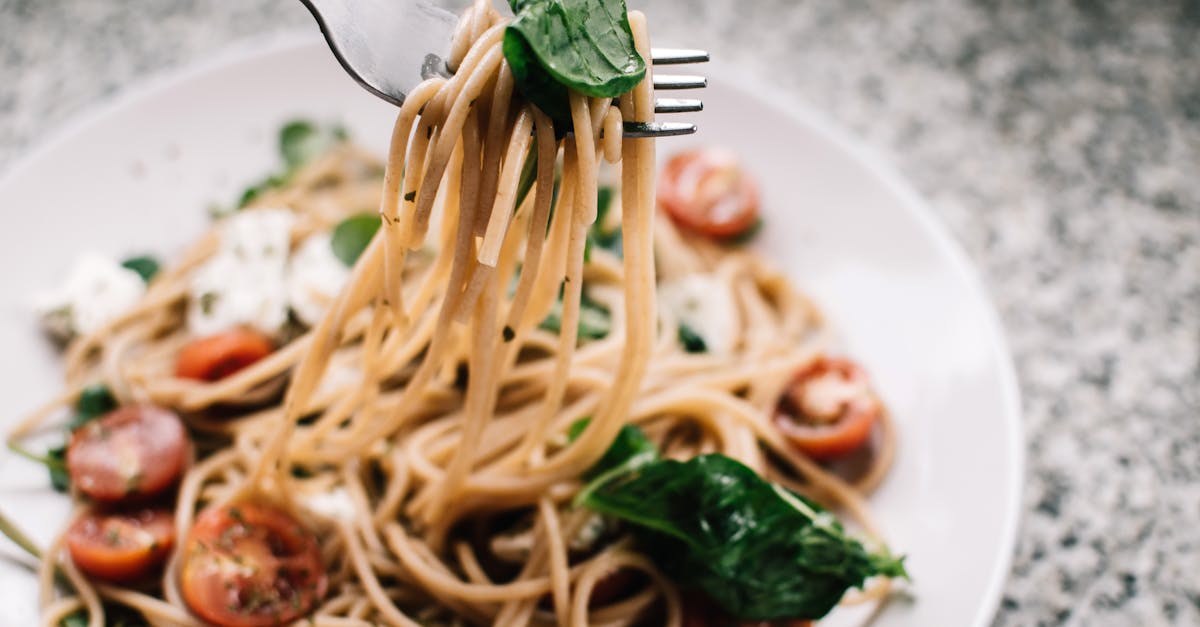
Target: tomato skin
(130, 453)
(706, 190)
(829, 437)
(250, 565)
(217, 356)
(121, 547)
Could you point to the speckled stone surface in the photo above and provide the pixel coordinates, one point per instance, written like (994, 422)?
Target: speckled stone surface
(1060, 141)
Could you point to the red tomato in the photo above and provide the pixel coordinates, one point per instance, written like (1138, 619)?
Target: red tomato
(132, 452)
(217, 356)
(121, 548)
(707, 191)
(251, 565)
(829, 410)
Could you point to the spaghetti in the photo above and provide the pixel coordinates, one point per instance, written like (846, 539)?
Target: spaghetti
(447, 481)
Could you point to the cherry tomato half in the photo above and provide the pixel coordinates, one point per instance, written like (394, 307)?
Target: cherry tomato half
(134, 451)
(121, 547)
(218, 356)
(251, 565)
(828, 410)
(706, 190)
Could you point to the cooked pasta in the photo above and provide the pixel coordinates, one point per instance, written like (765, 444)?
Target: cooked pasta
(430, 429)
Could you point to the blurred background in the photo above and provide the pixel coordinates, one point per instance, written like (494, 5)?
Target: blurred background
(1060, 141)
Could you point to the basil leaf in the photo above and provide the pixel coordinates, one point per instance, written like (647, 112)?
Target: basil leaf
(301, 141)
(145, 265)
(585, 45)
(94, 401)
(759, 551)
(692, 342)
(352, 236)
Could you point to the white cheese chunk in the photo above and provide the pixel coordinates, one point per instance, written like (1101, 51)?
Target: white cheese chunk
(335, 503)
(244, 282)
(315, 276)
(97, 290)
(705, 304)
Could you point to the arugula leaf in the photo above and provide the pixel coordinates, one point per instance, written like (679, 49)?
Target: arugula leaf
(145, 265)
(594, 320)
(94, 401)
(301, 141)
(692, 342)
(585, 45)
(759, 551)
(352, 235)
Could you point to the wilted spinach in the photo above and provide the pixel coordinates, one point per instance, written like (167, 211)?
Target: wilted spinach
(758, 550)
(145, 265)
(585, 45)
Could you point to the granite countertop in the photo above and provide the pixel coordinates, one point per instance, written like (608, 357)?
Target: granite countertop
(1059, 141)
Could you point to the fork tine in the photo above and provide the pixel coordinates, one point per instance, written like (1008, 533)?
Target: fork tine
(673, 56)
(677, 105)
(679, 81)
(657, 129)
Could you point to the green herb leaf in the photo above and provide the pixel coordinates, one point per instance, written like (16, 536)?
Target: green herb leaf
(692, 342)
(55, 461)
(78, 618)
(301, 141)
(585, 45)
(145, 265)
(352, 235)
(594, 320)
(114, 616)
(759, 551)
(597, 235)
(94, 401)
(746, 236)
(630, 449)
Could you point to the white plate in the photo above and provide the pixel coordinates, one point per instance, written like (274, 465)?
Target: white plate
(139, 175)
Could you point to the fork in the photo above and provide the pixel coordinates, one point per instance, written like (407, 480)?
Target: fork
(390, 46)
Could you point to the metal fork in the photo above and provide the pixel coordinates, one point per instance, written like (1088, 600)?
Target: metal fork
(390, 46)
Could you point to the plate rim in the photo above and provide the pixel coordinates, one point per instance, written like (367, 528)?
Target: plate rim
(818, 122)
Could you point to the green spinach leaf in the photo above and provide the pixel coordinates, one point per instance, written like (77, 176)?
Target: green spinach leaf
(631, 449)
(758, 550)
(352, 236)
(145, 265)
(585, 45)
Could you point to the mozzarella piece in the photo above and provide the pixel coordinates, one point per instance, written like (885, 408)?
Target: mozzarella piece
(97, 290)
(335, 504)
(315, 276)
(244, 283)
(705, 304)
